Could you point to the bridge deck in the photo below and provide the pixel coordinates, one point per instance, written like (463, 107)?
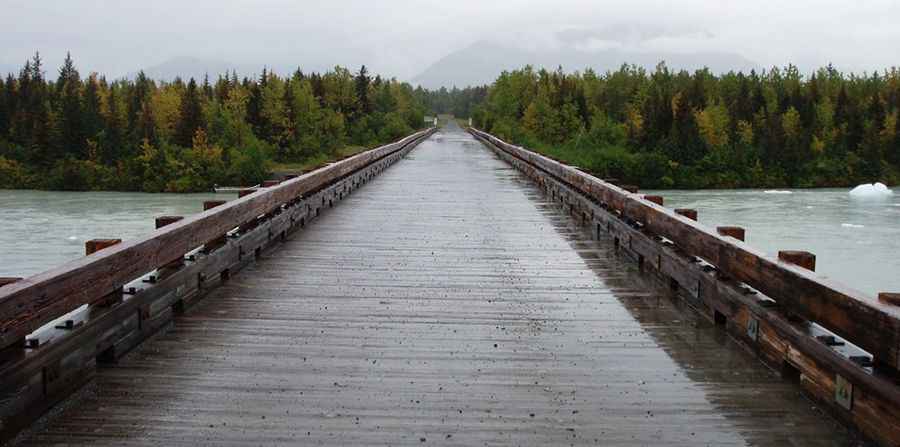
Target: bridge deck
(445, 302)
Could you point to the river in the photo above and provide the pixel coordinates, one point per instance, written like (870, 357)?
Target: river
(856, 241)
(43, 229)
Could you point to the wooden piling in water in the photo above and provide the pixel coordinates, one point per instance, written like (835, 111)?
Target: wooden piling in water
(655, 199)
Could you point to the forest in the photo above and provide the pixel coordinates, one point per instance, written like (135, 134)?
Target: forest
(659, 128)
(88, 133)
(666, 129)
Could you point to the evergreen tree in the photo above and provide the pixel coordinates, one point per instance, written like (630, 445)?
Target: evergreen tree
(113, 143)
(190, 116)
(69, 132)
(92, 108)
(4, 110)
(361, 82)
(138, 95)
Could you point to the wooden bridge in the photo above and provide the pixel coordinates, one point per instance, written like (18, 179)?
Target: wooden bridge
(473, 293)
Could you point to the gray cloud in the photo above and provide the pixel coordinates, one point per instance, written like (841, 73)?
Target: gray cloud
(400, 38)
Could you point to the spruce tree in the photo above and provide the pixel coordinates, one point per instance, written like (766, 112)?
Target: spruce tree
(93, 119)
(4, 111)
(138, 94)
(113, 143)
(361, 82)
(69, 132)
(190, 117)
(36, 128)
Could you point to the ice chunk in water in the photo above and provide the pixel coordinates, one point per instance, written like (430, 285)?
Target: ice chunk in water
(871, 190)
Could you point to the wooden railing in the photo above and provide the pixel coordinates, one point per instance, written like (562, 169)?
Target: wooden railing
(780, 314)
(133, 288)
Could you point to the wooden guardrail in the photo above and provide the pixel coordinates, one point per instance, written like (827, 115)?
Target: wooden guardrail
(43, 359)
(780, 315)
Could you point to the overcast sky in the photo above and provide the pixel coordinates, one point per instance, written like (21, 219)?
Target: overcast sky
(400, 38)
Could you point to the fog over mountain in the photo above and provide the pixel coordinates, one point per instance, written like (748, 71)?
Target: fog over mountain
(481, 62)
(402, 38)
(193, 67)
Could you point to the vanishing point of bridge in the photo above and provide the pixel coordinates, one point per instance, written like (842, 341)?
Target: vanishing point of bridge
(448, 301)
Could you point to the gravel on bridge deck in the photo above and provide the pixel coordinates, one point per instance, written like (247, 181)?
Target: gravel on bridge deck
(446, 302)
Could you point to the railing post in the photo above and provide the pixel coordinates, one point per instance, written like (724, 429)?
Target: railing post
(8, 280)
(889, 298)
(15, 347)
(687, 212)
(92, 246)
(735, 232)
(220, 240)
(803, 259)
(160, 222)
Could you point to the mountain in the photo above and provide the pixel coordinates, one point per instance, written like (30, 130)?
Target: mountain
(188, 67)
(482, 62)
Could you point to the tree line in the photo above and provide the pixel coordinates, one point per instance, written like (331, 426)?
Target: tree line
(668, 129)
(87, 133)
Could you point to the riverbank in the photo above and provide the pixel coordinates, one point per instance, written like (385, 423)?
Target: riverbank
(87, 175)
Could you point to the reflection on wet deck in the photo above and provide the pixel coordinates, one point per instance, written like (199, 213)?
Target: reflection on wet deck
(447, 302)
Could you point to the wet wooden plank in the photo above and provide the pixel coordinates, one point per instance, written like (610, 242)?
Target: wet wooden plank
(447, 302)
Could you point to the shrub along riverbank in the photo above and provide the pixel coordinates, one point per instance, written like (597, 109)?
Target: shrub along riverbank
(75, 133)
